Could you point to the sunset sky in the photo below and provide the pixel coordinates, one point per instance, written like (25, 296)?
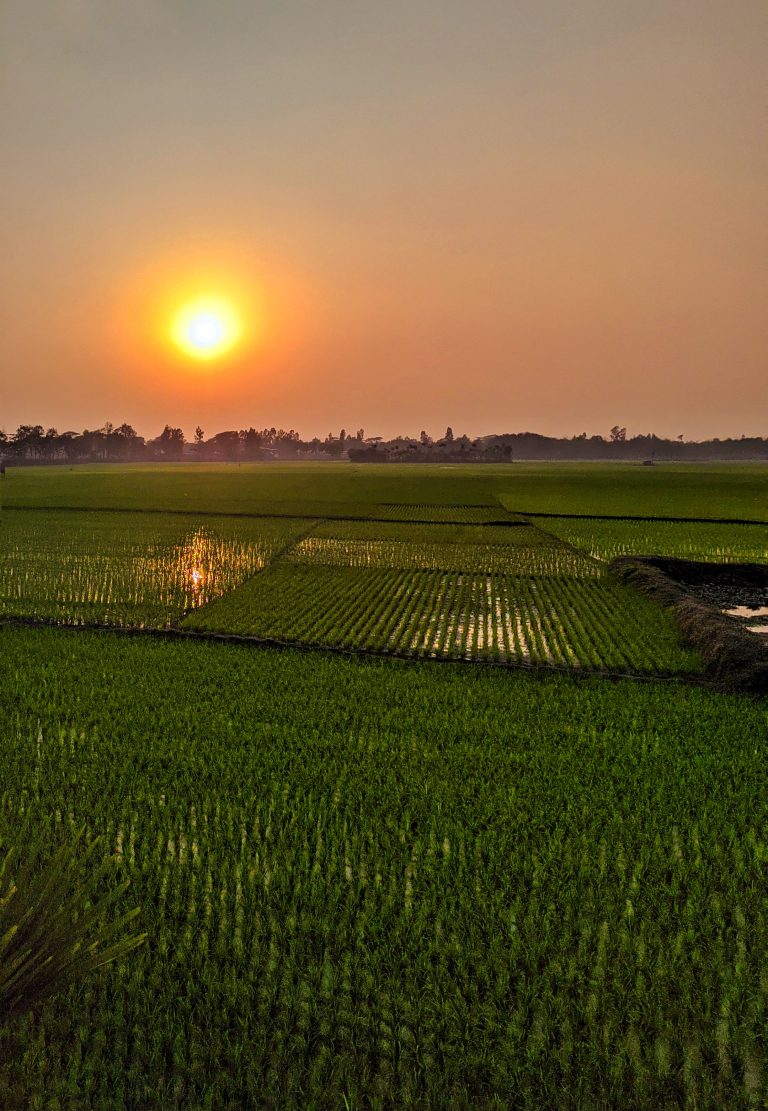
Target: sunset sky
(503, 216)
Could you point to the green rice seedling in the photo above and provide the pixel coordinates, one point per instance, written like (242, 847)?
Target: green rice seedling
(534, 558)
(544, 620)
(716, 543)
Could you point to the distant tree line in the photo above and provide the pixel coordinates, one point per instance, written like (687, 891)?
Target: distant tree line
(512, 446)
(121, 443)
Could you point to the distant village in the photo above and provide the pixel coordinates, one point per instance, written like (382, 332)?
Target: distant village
(34, 444)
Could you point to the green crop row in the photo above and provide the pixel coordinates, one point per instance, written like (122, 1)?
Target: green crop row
(545, 620)
(539, 559)
(517, 550)
(466, 514)
(684, 540)
(372, 884)
(522, 535)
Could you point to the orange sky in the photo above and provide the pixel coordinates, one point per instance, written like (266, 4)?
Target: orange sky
(501, 216)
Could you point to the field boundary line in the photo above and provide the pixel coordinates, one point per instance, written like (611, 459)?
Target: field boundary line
(635, 517)
(252, 516)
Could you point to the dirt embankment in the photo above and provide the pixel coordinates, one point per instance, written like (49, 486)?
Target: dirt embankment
(735, 659)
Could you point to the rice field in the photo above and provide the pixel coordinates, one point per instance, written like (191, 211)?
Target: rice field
(515, 534)
(568, 622)
(368, 490)
(487, 593)
(369, 881)
(141, 570)
(532, 553)
(380, 884)
(710, 543)
(490, 514)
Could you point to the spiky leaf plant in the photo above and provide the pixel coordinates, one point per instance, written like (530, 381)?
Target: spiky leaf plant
(53, 923)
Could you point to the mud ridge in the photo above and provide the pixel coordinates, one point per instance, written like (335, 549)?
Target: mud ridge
(646, 518)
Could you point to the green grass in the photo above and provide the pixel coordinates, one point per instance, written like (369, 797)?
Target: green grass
(383, 884)
(706, 542)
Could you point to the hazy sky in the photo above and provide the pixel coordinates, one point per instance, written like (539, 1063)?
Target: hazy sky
(503, 216)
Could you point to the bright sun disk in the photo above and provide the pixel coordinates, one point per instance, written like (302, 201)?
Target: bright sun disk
(206, 327)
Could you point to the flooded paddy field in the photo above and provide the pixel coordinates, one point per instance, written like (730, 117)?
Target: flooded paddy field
(739, 591)
(135, 569)
(574, 622)
(449, 570)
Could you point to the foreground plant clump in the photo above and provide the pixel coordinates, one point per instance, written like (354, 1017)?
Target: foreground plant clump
(54, 925)
(392, 884)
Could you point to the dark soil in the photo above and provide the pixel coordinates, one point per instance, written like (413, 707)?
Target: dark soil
(696, 593)
(723, 585)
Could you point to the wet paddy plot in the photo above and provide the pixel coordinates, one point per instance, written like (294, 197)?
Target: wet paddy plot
(141, 570)
(519, 550)
(739, 591)
(509, 594)
(754, 618)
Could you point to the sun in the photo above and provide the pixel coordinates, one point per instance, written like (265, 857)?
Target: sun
(207, 327)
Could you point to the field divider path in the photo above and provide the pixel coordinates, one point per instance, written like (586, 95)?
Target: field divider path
(172, 632)
(268, 513)
(640, 517)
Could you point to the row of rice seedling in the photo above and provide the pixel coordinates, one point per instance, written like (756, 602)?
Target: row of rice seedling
(367, 884)
(716, 543)
(502, 618)
(520, 550)
(517, 534)
(464, 514)
(123, 568)
(514, 559)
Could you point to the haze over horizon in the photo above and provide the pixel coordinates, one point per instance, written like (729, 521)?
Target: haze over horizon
(501, 217)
